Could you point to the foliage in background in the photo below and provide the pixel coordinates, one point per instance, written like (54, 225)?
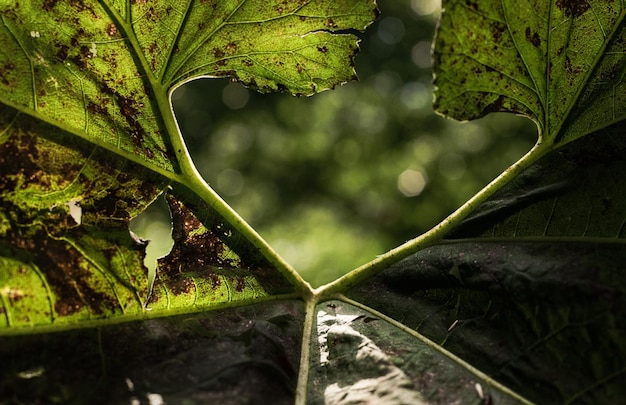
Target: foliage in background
(368, 158)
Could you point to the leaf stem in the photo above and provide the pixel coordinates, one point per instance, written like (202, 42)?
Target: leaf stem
(191, 178)
(435, 234)
(305, 354)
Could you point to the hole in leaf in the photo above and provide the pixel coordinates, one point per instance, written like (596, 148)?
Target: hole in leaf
(154, 224)
(76, 212)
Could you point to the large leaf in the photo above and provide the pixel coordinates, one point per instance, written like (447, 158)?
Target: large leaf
(559, 63)
(89, 140)
(514, 298)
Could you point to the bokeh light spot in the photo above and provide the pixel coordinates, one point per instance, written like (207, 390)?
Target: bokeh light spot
(411, 182)
(420, 54)
(415, 95)
(235, 96)
(230, 182)
(425, 7)
(426, 148)
(391, 30)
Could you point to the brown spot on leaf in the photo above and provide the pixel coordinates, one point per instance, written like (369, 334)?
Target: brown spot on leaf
(497, 29)
(533, 38)
(48, 5)
(241, 284)
(572, 70)
(216, 282)
(207, 249)
(181, 285)
(130, 111)
(64, 270)
(496, 106)
(96, 108)
(573, 8)
(152, 14)
(568, 65)
(5, 70)
(196, 250)
(62, 52)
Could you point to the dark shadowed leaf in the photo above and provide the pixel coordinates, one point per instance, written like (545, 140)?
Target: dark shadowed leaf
(359, 358)
(531, 287)
(239, 355)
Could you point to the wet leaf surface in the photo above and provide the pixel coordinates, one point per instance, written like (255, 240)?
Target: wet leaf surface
(360, 358)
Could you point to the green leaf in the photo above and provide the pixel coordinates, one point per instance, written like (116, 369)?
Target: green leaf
(559, 63)
(204, 269)
(514, 298)
(60, 266)
(89, 140)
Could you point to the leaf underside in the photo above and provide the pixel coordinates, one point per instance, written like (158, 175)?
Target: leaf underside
(86, 124)
(237, 355)
(560, 63)
(519, 302)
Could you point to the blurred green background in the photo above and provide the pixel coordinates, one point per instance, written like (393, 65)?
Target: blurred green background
(333, 180)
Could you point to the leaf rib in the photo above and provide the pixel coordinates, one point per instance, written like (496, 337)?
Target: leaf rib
(166, 66)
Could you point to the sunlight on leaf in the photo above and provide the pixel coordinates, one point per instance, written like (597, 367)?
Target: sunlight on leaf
(86, 124)
(202, 269)
(515, 297)
(360, 358)
(550, 61)
(57, 269)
